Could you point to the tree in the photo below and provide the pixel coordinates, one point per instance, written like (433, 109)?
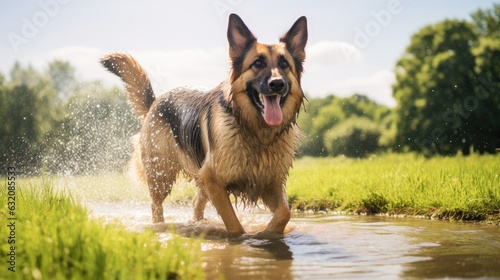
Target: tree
(313, 123)
(487, 68)
(29, 110)
(439, 108)
(62, 75)
(356, 137)
(95, 134)
(487, 22)
(46, 121)
(325, 115)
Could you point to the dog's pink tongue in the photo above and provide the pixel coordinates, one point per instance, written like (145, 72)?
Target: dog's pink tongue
(272, 110)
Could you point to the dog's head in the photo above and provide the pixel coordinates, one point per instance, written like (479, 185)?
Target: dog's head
(265, 79)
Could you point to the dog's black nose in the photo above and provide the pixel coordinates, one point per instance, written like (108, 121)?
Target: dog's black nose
(277, 85)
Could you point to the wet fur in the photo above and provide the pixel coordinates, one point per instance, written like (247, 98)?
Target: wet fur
(219, 137)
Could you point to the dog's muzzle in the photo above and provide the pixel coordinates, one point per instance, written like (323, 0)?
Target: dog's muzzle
(271, 101)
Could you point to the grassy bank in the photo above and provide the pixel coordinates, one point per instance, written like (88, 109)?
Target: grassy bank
(460, 188)
(55, 239)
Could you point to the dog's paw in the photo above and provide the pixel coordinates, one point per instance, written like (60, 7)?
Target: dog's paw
(161, 227)
(268, 235)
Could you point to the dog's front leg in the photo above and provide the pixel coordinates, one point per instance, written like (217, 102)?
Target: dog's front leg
(217, 194)
(276, 201)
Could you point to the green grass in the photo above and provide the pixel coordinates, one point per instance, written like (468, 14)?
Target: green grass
(459, 188)
(56, 239)
(118, 187)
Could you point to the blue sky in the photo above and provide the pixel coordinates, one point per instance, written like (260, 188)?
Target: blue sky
(353, 45)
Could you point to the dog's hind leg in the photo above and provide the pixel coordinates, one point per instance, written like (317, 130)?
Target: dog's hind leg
(161, 168)
(160, 183)
(157, 197)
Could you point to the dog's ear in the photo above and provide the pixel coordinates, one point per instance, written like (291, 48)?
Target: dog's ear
(239, 36)
(296, 38)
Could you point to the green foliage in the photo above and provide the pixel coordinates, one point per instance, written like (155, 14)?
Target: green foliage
(327, 115)
(29, 110)
(446, 84)
(487, 22)
(49, 120)
(312, 126)
(62, 75)
(356, 137)
(461, 188)
(95, 134)
(56, 239)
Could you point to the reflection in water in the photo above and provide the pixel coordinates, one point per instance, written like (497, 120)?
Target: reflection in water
(325, 247)
(277, 247)
(248, 259)
(463, 250)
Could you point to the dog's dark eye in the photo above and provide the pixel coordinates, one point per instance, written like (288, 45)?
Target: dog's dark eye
(284, 64)
(259, 63)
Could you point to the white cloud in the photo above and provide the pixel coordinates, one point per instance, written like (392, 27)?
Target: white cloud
(190, 67)
(84, 59)
(207, 68)
(167, 68)
(377, 87)
(324, 54)
(332, 67)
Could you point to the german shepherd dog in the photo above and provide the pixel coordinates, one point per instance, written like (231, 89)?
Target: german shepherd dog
(238, 138)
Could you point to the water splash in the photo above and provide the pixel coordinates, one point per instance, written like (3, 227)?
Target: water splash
(94, 136)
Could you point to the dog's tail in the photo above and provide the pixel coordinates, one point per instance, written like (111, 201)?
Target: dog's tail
(140, 92)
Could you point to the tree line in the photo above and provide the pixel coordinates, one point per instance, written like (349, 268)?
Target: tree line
(52, 121)
(447, 92)
(448, 98)
(447, 87)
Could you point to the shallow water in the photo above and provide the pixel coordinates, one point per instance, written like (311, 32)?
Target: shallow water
(331, 246)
